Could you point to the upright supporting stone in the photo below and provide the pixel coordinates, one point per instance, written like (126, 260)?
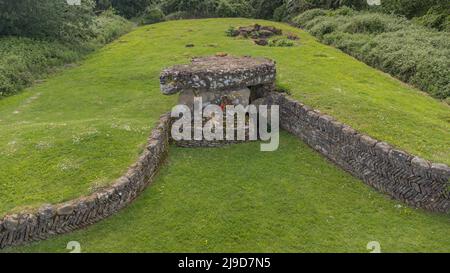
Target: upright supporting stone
(219, 80)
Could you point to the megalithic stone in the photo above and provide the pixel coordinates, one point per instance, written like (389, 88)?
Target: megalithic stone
(215, 73)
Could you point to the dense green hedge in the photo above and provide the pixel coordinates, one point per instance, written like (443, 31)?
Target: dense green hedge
(48, 19)
(438, 17)
(412, 53)
(25, 59)
(291, 8)
(409, 8)
(182, 9)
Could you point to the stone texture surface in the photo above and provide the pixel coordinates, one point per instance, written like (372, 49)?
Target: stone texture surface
(49, 220)
(235, 97)
(218, 73)
(404, 177)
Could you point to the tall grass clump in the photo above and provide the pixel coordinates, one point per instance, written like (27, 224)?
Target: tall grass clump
(414, 54)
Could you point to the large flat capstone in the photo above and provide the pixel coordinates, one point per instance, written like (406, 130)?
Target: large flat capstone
(218, 74)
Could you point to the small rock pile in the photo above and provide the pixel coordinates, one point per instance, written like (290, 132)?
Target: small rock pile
(258, 33)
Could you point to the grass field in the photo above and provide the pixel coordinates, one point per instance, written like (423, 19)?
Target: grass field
(291, 200)
(81, 128)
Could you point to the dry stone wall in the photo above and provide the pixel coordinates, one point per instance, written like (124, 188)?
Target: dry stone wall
(403, 176)
(24, 227)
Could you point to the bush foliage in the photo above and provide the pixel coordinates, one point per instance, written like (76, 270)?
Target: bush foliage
(151, 15)
(63, 32)
(409, 8)
(46, 19)
(412, 53)
(438, 17)
(291, 8)
(182, 9)
(25, 59)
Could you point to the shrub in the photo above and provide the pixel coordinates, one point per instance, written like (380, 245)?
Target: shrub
(23, 59)
(367, 23)
(307, 16)
(108, 26)
(437, 17)
(232, 32)
(412, 53)
(183, 9)
(225, 9)
(50, 19)
(102, 5)
(151, 15)
(280, 14)
(409, 8)
(234, 8)
(264, 9)
(179, 15)
(344, 11)
(130, 8)
(346, 42)
(292, 8)
(190, 8)
(242, 8)
(320, 28)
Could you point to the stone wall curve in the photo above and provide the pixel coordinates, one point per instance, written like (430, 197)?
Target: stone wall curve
(405, 177)
(48, 220)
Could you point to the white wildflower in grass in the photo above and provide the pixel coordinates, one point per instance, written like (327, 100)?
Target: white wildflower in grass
(11, 148)
(67, 165)
(42, 145)
(99, 183)
(76, 139)
(12, 143)
(90, 133)
(127, 127)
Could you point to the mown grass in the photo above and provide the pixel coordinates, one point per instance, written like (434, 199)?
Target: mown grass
(81, 129)
(242, 200)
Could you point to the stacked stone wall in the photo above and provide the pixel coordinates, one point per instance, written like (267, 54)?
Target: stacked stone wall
(49, 220)
(405, 177)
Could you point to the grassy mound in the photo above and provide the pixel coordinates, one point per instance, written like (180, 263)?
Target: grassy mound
(81, 129)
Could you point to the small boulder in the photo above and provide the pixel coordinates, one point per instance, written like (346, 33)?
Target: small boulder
(265, 33)
(261, 42)
(292, 36)
(274, 30)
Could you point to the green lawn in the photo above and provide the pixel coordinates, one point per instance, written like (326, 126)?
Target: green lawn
(242, 200)
(80, 129)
